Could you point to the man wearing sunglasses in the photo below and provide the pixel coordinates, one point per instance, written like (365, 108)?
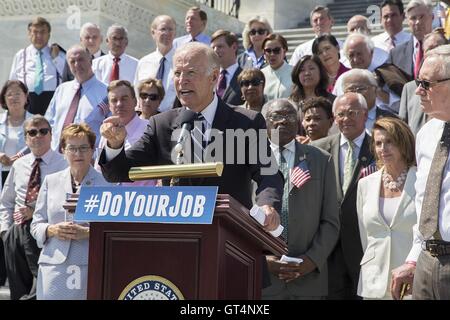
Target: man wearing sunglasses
(225, 45)
(427, 268)
(17, 206)
(80, 100)
(321, 22)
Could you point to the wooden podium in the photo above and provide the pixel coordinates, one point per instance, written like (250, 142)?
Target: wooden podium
(218, 261)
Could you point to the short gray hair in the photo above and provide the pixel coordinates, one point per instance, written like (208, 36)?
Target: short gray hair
(441, 53)
(363, 73)
(116, 27)
(358, 35)
(361, 100)
(213, 58)
(88, 25)
(418, 3)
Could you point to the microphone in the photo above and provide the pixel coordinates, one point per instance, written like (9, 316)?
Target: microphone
(186, 119)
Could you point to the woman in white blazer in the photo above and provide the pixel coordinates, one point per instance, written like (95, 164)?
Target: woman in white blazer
(385, 205)
(63, 261)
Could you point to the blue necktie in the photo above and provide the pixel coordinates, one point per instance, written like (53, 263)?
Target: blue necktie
(38, 74)
(160, 73)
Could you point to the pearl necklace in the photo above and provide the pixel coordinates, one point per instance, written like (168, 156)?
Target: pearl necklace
(391, 184)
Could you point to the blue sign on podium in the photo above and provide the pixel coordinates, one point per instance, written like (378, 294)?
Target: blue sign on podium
(190, 205)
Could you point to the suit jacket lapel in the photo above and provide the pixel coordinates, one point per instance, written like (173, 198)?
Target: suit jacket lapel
(233, 81)
(405, 198)
(335, 147)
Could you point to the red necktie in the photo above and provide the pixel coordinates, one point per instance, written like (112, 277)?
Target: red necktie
(115, 70)
(419, 57)
(34, 184)
(222, 85)
(73, 108)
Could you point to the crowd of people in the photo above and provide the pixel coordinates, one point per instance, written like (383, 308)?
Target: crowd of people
(368, 215)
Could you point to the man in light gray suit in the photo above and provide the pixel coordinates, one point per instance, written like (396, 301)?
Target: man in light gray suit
(410, 110)
(309, 208)
(419, 14)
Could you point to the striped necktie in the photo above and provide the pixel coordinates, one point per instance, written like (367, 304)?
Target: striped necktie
(284, 217)
(198, 138)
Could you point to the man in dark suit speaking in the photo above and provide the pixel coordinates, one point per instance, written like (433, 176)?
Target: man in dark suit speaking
(196, 70)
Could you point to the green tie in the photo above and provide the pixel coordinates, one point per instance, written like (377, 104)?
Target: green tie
(39, 74)
(284, 217)
(349, 165)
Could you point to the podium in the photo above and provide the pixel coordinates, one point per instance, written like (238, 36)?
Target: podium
(222, 260)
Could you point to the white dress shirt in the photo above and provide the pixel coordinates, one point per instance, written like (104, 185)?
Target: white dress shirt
(49, 65)
(426, 142)
(15, 188)
(278, 82)
(358, 141)
(93, 92)
(382, 40)
(148, 68)
(102, 67)
(203, 38)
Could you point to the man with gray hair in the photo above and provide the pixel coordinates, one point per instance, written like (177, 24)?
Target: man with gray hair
(351, 155)
(409, 55)
(116, 65)
(358, 23)
(91, 38)
(363, 81)
(359, 50)
(426, 271)
(158, 64)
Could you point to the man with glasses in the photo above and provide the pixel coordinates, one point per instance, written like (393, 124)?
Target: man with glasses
(309, 211)
(321, 22)
(351, 154)
(426, 271)
(363, 82)
(17, 205)
(122, 100)
(116, 65)
(225, 45)
(158, 64)
(80, 100)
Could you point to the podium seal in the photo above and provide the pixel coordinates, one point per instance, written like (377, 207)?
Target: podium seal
(151, 288)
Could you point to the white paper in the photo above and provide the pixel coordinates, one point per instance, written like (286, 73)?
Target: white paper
(290, 259)
(258, 214)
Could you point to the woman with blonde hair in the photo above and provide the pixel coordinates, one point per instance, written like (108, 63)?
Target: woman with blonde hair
(255, 31)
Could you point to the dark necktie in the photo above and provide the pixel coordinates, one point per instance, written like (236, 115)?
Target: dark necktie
(34, 184)
(428, 224)
(73, 108)
(222, 85)
(198, 137)
(160, 73)
(115, 70)
(193, 39)
(419, 57)
(284, 217)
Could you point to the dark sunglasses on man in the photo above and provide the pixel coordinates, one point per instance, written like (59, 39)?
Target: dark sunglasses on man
(151, 96)
(41, 131)
(258, 31)
(276, 50)
(254, 82)
(426, 84)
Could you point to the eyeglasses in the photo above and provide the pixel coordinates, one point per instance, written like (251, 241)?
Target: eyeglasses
(280, 117)
(351, 114)
(41, 131)
(426, 85)
(74, 149)
(258, 31)
(253, 82)
(151, 96)
(276, 50)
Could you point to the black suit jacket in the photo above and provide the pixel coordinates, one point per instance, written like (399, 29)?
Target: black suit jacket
(232, 94)
(155, 146)
(402, 57)
(350, 240)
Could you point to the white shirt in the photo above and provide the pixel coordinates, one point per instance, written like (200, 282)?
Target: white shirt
(288, 154)
(230, 72)
(93, 92)
(49, 64)
(201, 37)
(15, 188)
(358, 141)
(148, 68)
(102, 67)
(278, 82)
(382, 40)
(426, 143)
